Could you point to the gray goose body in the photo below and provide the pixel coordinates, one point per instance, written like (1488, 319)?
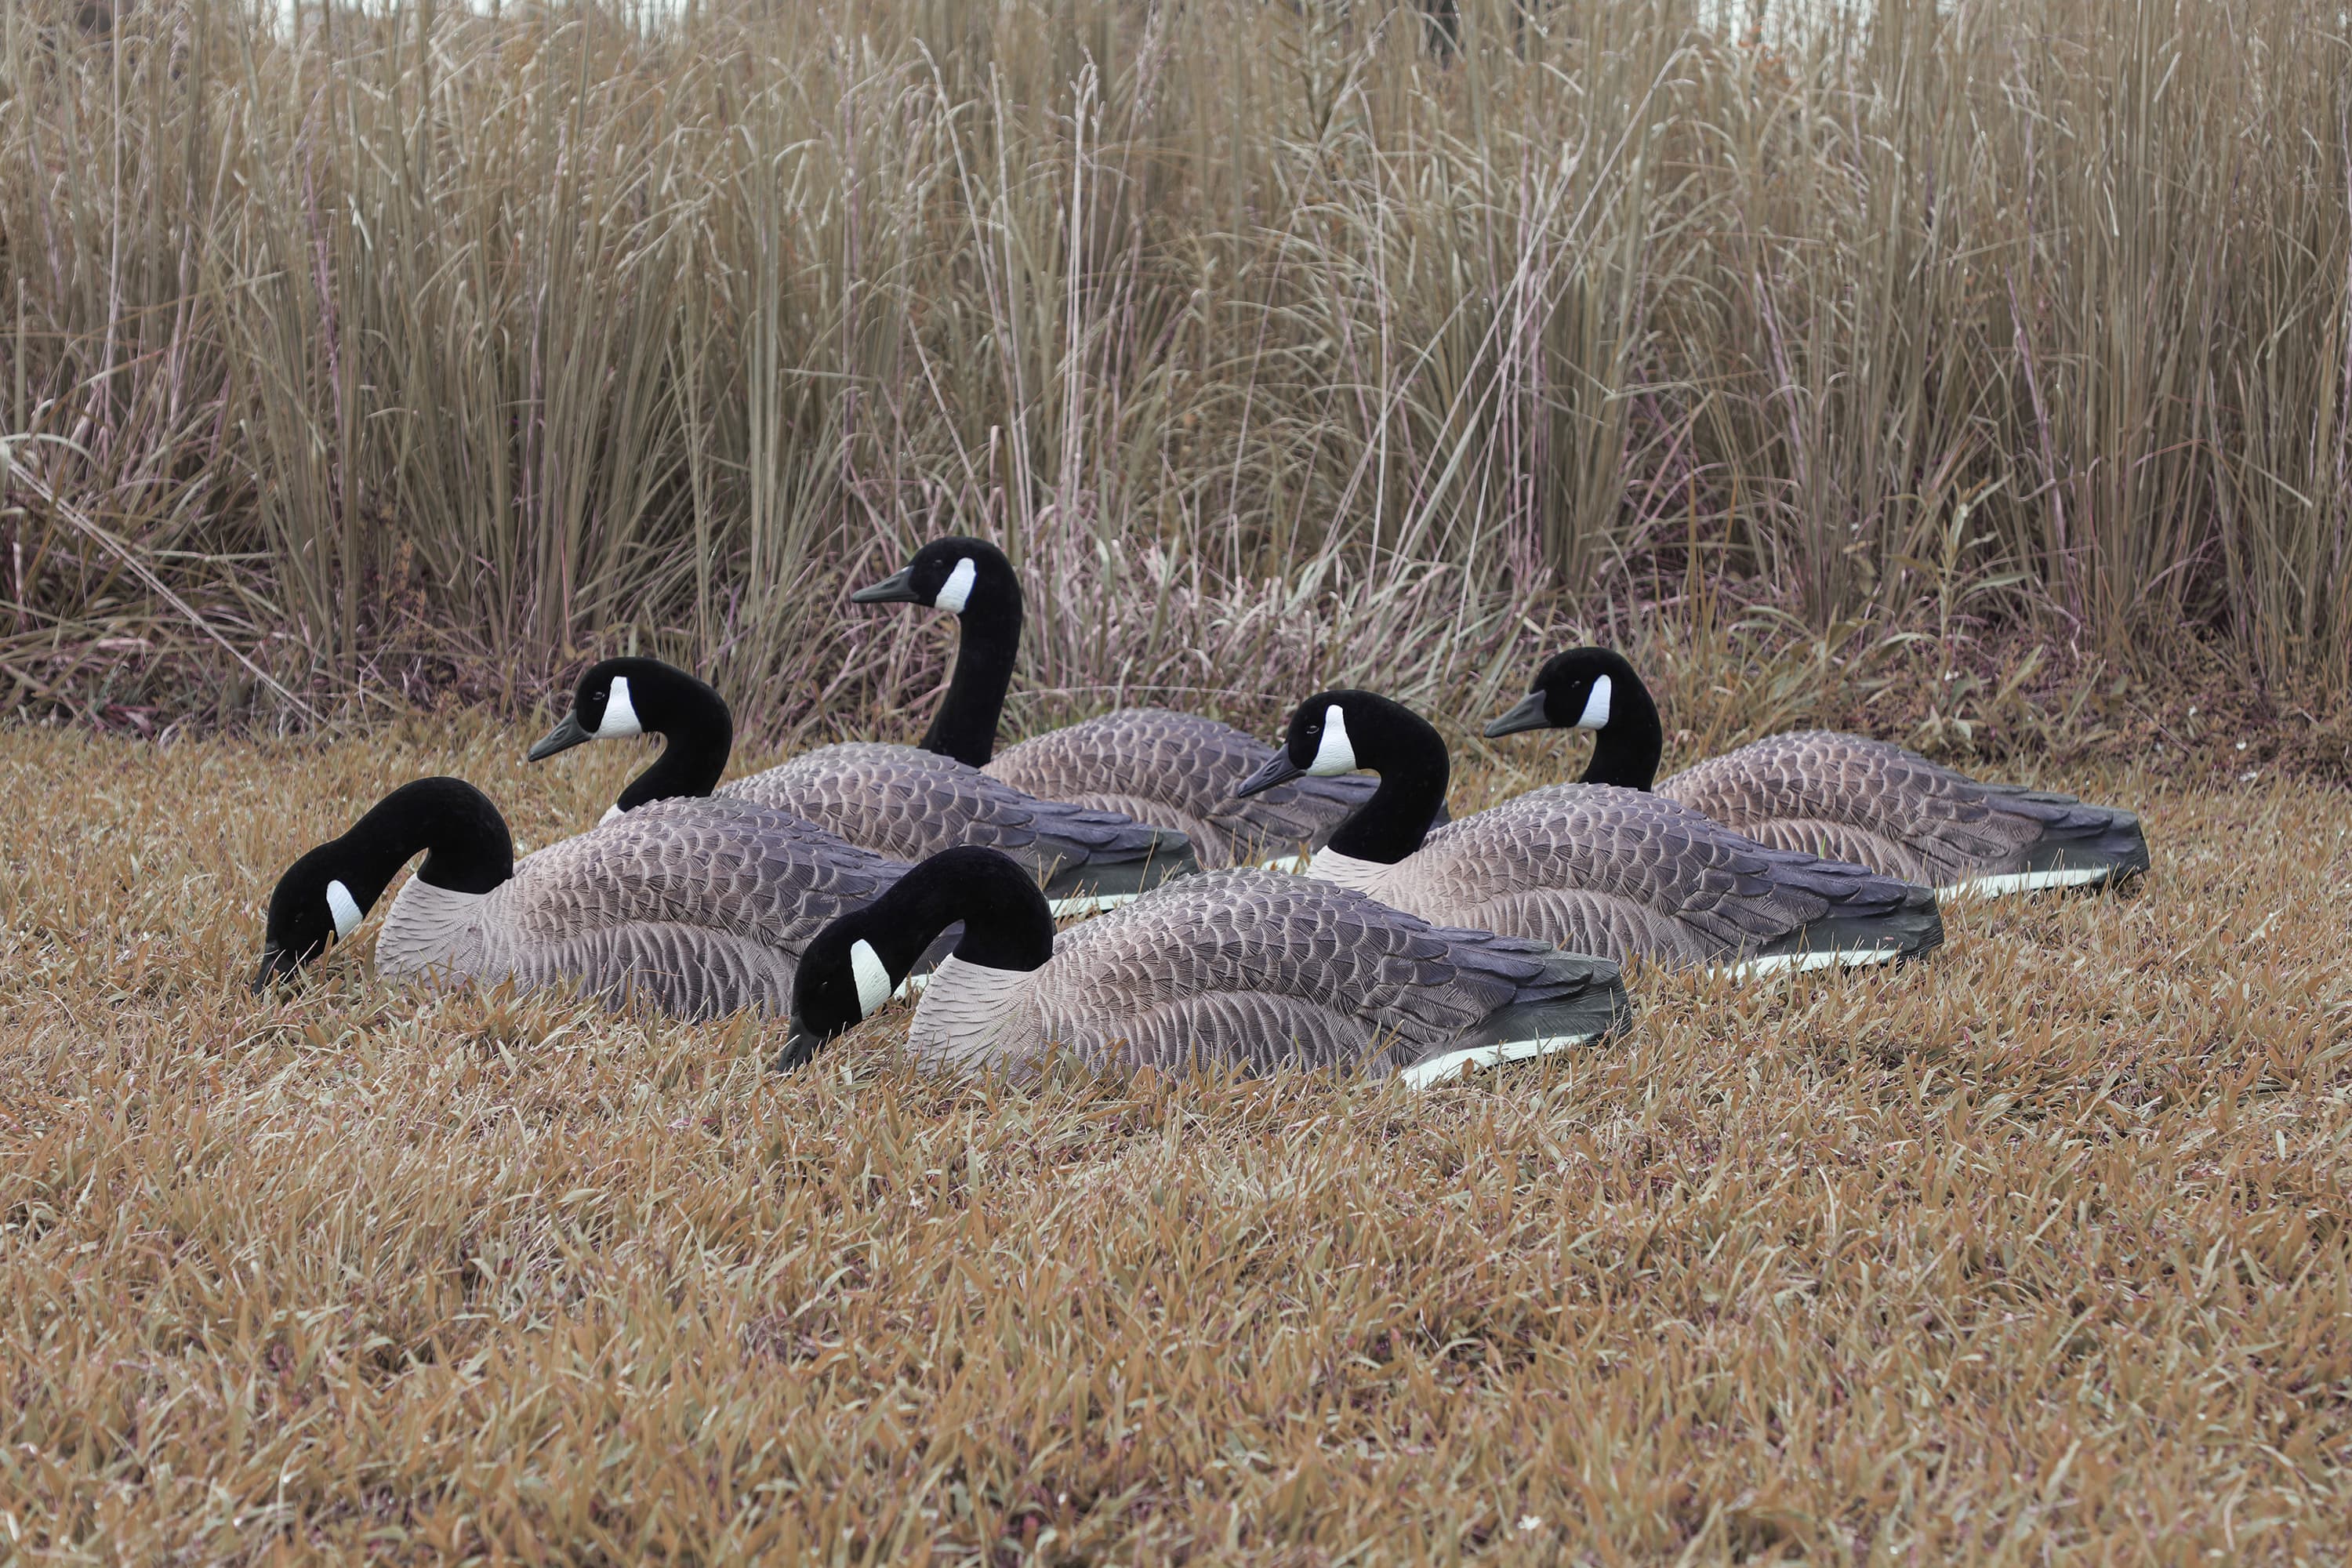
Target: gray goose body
(1865, 800)
(695, 908)
(1589, 868)
(906, 802)
(1880, 806)
(1180, 770)
(1177, 770)
(1629, 876)
(1248, 969)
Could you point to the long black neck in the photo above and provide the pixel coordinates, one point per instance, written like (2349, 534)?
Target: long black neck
(1409, 757)
(1007, 921)
(965, 726)
(467, 848)
(697, 733)
(1626, 750)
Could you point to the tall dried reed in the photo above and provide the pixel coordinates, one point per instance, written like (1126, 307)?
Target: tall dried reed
(1277, 341)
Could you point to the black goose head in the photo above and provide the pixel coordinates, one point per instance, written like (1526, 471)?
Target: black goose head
(1347, 732)
(623, 697)
(1573, 690)
(311, 906)
(324, 895)
(851, 967)
(1594, 689)
(958, 575)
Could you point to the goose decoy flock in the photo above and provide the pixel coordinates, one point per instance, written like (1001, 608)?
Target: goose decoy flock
(1865, 800)
(1409, 943)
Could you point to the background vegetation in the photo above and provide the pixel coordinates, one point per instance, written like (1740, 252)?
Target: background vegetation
(427, 349)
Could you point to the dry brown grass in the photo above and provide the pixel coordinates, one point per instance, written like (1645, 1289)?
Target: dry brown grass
(2035, 1253)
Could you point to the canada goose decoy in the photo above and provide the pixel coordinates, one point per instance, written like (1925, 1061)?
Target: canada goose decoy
(1588, 867)
(900, 801)
(1175, 769)
(1854, 799)
(694, 907)
(1249, 967)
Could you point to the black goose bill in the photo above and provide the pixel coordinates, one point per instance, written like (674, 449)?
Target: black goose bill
(1277, 769)
(1530, 714)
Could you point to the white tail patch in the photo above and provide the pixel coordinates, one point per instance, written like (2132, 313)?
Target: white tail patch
(1805, 963)
(346, 908)
(1461, 1064)
(620, 715)
(872, 975)
(1596, 707)
(956, 592)
(2023, 882)
(1336, 754)
(610, 812)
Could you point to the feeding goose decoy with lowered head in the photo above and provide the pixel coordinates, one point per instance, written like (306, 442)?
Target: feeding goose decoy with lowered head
(693, 908)
(1871, 802)
(1179, 770)
(1248, 968)
(901, 801)
(1587, 868)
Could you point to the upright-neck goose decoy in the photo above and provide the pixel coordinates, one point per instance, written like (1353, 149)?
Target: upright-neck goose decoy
(1248, 968)
(1175, 769)
(1861, 800)
(900, 801)
(693, 908)
(1587, 868)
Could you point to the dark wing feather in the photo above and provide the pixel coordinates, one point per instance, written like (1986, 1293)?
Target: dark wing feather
(1640, 875)
(728, 866)
(909, 803)
(1902, 815)
(1180, 770)
(1256, 968)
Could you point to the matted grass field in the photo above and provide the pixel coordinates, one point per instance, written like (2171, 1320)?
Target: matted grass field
(2035, 1253)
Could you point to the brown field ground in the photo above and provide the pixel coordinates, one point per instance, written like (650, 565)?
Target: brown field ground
(2035, 1253)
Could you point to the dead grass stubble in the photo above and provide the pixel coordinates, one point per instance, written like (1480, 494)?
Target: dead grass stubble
(2035, 1253)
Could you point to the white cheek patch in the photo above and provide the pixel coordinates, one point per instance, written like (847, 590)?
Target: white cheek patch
(873, 977)
(620, 714)
(957, 590)
(346, 908)
(1596, 707)
(1337, 754)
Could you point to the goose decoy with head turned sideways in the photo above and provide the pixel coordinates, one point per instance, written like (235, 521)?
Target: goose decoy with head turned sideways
(1246, 968)
(693, 907)
(1861, 800)
(1587, 868)
(1174, 769)
(900, 801)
